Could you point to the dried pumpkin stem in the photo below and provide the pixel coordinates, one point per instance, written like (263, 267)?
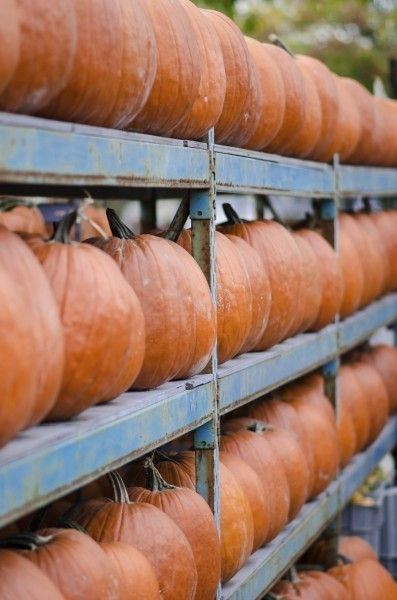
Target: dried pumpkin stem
(274, 39)
(117, 227)
(178, 222)
(344, 559)
(64, 226)
(231, 214)
(275, 214)
(10, 203)
(26, 541)
(154, 480)
(119, 489)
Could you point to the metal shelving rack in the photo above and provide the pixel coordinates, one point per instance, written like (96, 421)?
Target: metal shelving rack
(48, 158)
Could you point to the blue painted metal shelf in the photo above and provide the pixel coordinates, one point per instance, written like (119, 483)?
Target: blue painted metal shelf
(268, 564)
(367, 181)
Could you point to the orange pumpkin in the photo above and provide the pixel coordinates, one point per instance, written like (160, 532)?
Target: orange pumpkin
(10, 36)
(365, 580)
(208, 104)
(47, 44)
(34, 585)
(194, 518)
(178, 75)
(385, 223)
(384, 359)
(311, 288)
(47, 343)
(22, 217)
(134, 572)
(352, 274)
(346, 434)
(178, 342)
(379, 257)
(240, 113)
(295, 99)
(149, 530)
(104, 345)
(356, 549)
(365, 109)
(348, 126)
(271, 95)
(351, 394)
(113, 68)
(372, 386)
(309, 585)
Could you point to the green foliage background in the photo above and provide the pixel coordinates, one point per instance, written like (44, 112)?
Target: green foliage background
(355, 38)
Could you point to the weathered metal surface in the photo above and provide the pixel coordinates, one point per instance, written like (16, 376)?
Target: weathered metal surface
(252, 375)
(46, 462)
(330, 373)
(34, 151)
(244, 171)
(367, 181)
(361, 325)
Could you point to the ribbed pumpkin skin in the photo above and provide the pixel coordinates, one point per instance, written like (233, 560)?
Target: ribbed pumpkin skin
(365, 108)
(23, 219)
(294, 87)
(47, 45)
(352, 274)
(366, 580)
(328, 95)
(384, 359)
(113, 68)
(240, 113)
(258, 454)
(47, 341)
(178, 310)
(331, 588)
(351, 394)
(356, 549)
(379, 254)
(348, 127)
(271, 97)
(311, 288)
(331, 277)
(235, 311)
(150, 531)
(260, 293)
(253, 489)
(208, 105)
(34, 585)
(192, 515)
(388, 139)
(104, 344)
(309, 389)
(177, 80)
(282, 261)
(10, 37)
(375, 391)
(135, 575)
(303, 143)
(75, 563)
(385, 224)
(346, 435)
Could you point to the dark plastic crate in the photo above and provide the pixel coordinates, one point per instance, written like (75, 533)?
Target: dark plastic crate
(357, 520)
(389, 528)
(390, 564)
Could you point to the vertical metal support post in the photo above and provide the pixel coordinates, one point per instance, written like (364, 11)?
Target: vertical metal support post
(206, 438)
(394, 328)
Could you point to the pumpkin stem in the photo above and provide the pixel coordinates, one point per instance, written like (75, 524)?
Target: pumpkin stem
(292, 575)
(257, 427)
(275, 214)
(274, 39)
(66, 523)
(178, 222)
(8, 204)
(344, 559)
(119, 490)
(64, 226)
(117, 227)
(154, 480)
(26, 541)
(310, 567)
(231, 214)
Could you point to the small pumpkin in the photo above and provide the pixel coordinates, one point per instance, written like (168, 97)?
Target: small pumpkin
(34, 585)
(71, 559)
(47, 45)
(365, 580)
(179, 71)
(352, 274)
(104, 336)
(356, 549)
(10, 36)
(384, 359)
(135, 575)
(147, 529)
(194, 518)
(114, 67)
(351, 394)
(23, 217)
(175, 298)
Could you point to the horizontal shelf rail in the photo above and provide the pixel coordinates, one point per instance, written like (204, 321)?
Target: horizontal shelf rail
(50, 460)
(367, 181)
(268, 564)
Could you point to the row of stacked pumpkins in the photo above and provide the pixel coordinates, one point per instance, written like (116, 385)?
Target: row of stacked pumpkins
(168, 68)
(357, 576)
(91, 330)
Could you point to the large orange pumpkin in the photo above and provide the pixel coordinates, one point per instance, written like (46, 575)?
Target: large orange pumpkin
(328, 95)
(149, 530)
(253, 448)
(283, 263)
(208, 104)
(356, 549)
(33, 585)
(311, 288)
(47, 45)
(348, 126)
(271, 94)
(135, 574)
(331, 276)
(346, 434)
(194, 518)
(10, 36)
(175, 298)
(240, 113)
(385, 223)
(71, 559)
(379, 256)
(351, 394)
(372, 386)
(365, 109)
(47, 343)
(384, 359)
(22, 217)
(352, 274)
(295, 99)
(365, 580)
(104, 336)
(309, 389)
(178, 75)
(114, 65)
